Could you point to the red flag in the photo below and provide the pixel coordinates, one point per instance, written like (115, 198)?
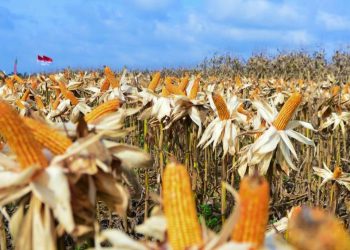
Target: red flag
(44, 60)
(47, 59)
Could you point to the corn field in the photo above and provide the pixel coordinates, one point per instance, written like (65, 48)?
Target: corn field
(223, 156)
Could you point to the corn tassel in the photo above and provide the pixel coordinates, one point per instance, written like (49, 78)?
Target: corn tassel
(184, 230)
(49, 138)
(313, 228)
(254, 211)
(111, 78)
(19, 138)
(171, 88)
(155, 81)
(221, 107)
(287, 111)
(195, 88)
(102, 109)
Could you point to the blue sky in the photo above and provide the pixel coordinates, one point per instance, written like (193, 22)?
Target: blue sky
(163, 33)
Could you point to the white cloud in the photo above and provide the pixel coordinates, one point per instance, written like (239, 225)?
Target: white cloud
(332, 21)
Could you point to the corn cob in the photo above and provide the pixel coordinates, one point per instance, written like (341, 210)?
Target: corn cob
(184, 83)
(9, 83)
(241, 110)
(53, 80)
(238, 81)
(34, 83)
(18, 79)
(184, 230)
(19, 138)
(25, 95)
(195, 88)
(254, 206)
(165, 92)
(155, 81)
(104, 108)
(337, 172)
(335, 90)
(287, 111)
(313, 228)
(49, 138)
(39, 102)
(56, 102)
(68, 94)
(171, 88)
(111, 78)
(105, 86)
(20, 104)
(221, 107)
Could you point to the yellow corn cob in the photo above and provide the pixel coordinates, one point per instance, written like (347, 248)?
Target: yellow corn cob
(155, 81)
(49, 138)
(105, 86)
(254, 211)
(335, 90)
(25, 95)
(34, 83)
(184, 83)
(301, 82)
(19, 138)
(171, 88)
(165, 92)
(221, 107)
(100, 110)
(111, 77)
(195, 88)
(9, 83)
(39, 102)
(53, 79)
(56, 102)
(68, 94)
(20, 104)
(18, 79)
(337, 172)
(313, 228)
(238, 81)
(184, 230)
(287, 111)
(241, 110)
